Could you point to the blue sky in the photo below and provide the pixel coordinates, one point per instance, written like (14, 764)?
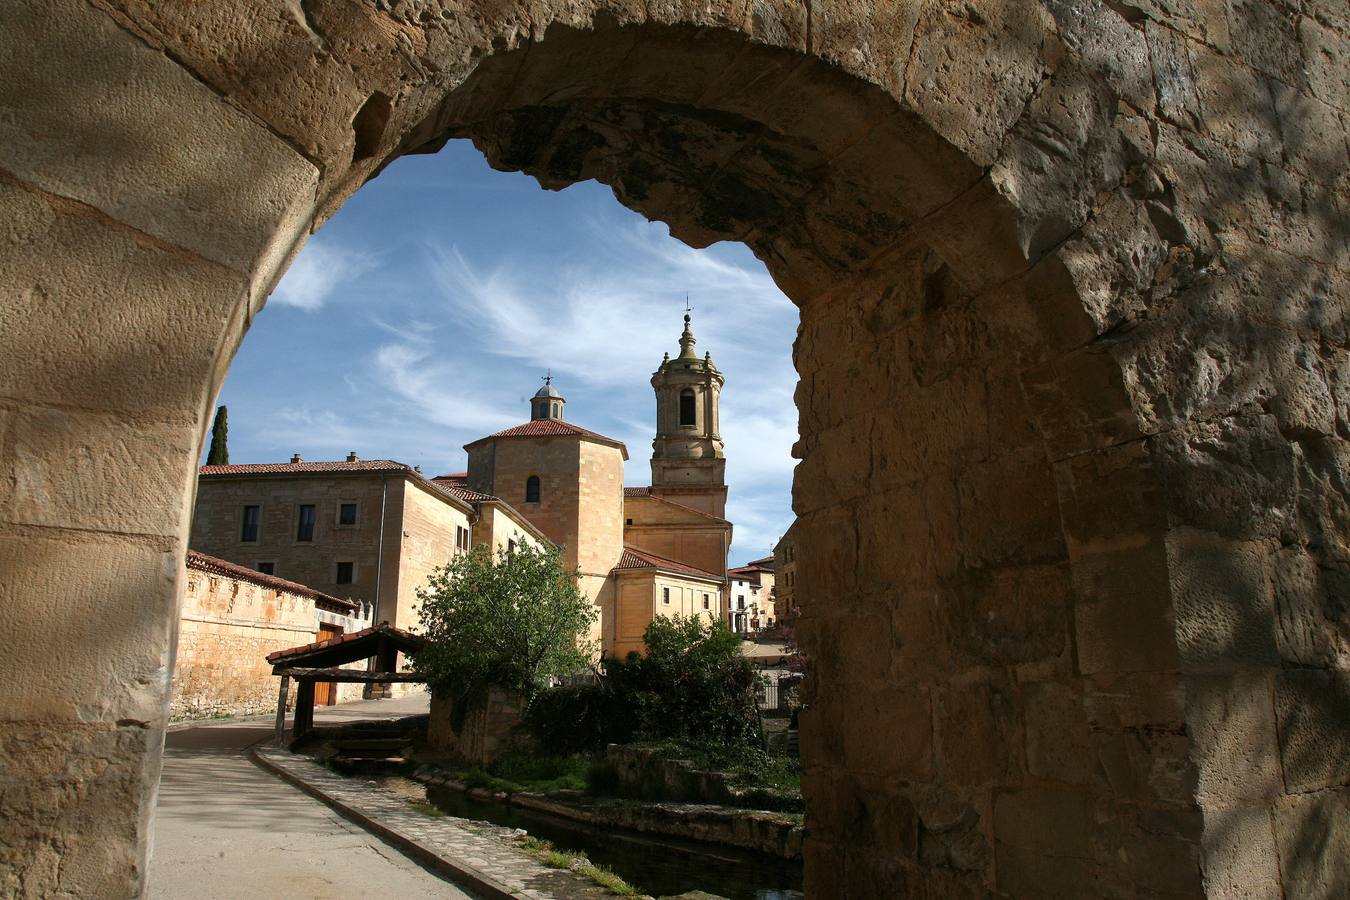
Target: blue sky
(424, 314)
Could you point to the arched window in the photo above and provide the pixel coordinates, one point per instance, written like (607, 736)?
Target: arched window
(556, 411)
(532, 489)
(687, 407)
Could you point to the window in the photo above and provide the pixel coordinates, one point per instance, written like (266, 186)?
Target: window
(557, 410)
(740, 601)
(346, 513)
(510, 548)
(687, 407)
(267, 568)
(248, 532)
(705, 602)
(665, 596)
(344, 573)
(628, 521)
(461, 539)
(304, 530)
(532, 489)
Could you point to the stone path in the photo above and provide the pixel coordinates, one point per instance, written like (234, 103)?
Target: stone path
(225, 829)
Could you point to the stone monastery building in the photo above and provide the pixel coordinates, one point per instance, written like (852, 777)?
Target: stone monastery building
(373, 530)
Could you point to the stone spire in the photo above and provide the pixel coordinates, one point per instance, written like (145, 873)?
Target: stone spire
(687, 341)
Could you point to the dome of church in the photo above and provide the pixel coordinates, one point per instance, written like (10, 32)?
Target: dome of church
(548, 390)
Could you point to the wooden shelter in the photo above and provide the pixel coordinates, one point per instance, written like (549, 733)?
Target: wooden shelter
(322, 662)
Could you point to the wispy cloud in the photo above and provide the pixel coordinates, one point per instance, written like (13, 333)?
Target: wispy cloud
(320, 269)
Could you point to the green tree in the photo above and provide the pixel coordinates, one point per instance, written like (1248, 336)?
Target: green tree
(513, 621)
(219, 454)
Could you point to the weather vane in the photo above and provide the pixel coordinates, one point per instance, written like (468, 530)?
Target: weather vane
(548, 376)
(687, 307)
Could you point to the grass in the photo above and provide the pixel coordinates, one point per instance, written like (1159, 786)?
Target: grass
(554, 858)
(427, 809)
(520, 772)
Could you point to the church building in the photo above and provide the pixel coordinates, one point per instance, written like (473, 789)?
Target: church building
(642, 552)
(371, 531)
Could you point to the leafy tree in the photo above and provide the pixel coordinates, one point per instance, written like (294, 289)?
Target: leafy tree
(511, 620)
(219, 454)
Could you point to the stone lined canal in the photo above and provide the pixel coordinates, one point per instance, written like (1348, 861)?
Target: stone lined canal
(654, 864)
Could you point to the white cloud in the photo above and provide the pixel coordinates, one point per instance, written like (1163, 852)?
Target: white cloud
(319, 270)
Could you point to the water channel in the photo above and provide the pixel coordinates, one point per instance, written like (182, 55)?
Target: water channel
(654, 864)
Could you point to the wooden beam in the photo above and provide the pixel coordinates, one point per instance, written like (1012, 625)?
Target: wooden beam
(281, 708)
(349, 675)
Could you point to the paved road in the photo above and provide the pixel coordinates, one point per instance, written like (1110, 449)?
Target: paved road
(226, 830)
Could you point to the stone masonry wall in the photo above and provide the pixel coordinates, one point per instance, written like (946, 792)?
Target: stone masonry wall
(226, 629)
(1073, 398)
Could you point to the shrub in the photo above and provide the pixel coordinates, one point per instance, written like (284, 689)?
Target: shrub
(513, 621)
(693, 683)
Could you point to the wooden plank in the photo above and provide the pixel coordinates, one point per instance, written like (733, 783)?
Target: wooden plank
(349, 675)
(281, 708)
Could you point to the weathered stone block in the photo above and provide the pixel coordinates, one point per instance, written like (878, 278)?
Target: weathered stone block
(1312, 708)
(1312, 607)
(1312, 832)
(1222, 600)
(1059, 740)
(1241, 862)
(1231, 720)
(188, 168)
(1123, 618)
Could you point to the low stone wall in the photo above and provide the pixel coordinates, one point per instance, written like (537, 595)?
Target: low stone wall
(227, 626)
(490, 727)
(642, 773)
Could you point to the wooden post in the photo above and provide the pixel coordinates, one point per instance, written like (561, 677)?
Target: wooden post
(304, 707)
(281, 708)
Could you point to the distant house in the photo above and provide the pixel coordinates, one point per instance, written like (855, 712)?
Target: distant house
(752, 596)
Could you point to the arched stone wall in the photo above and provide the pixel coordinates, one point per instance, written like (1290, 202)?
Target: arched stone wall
(1073, 397)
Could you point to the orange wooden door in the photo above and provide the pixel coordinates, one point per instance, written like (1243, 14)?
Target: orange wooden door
(325, 692)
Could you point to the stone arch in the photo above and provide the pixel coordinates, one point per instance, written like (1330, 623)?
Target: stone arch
(1069, 587)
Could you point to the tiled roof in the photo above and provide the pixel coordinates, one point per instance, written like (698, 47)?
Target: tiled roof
(453, 486)
(404, 637)
(633, 558)
(640, 492)
(306, 468)
(203, 563)
(550, 427)
(764, 562)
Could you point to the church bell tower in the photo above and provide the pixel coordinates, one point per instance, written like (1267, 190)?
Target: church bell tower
(688, 463)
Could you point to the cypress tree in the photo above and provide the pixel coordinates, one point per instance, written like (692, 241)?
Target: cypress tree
(219, 454)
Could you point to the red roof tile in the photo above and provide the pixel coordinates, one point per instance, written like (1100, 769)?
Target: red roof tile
(453, 486)
(307, 468)
(764, 562)
(633, 558)
(551, 427)
(637, 492)
(406, 637)
(210, 564)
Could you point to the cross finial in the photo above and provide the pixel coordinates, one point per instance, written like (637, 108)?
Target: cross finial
(548, 376)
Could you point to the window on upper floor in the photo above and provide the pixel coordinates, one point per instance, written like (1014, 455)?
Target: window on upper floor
(248, 529)
(304, 522)
(532, 489)
(706, 602)
(346, 513)
(510, 548)
(665, 596)
(740, 601)
(345, 573)
(687, 413)
(267, 568)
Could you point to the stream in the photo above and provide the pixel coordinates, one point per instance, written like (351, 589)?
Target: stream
(654, 864)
